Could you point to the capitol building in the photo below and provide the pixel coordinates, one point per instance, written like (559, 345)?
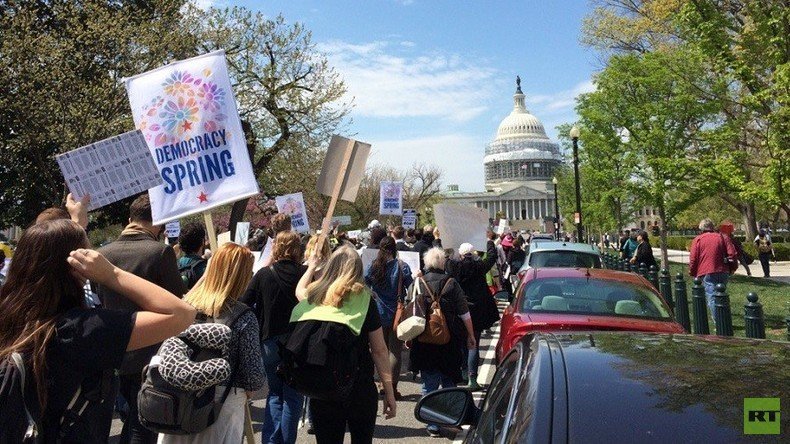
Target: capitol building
(519, 165)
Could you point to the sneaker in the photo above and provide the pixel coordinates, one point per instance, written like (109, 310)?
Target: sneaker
(310, 428)
(433, 430)
(474, 386)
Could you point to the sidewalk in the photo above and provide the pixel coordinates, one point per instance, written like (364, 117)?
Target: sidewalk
(780, 270)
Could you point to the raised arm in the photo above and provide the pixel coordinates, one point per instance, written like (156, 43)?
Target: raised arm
(163, 314)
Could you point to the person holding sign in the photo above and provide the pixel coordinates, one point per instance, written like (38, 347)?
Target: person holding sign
(388, 277)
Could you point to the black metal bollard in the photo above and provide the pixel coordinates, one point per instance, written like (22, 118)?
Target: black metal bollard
(652, 276)
(753, 317)
(623, 265)
(722, 314)
(700, 308)
(666, 288)
(634, 268)
(643, 270)
(682, 303)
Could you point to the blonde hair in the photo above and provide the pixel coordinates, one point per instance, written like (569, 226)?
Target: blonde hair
(227, 276)
(342, 277)
(287, 246)
(312, 248)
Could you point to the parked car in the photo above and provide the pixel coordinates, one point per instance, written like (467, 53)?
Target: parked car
(562, 254)
(583, 299)
(613, 387)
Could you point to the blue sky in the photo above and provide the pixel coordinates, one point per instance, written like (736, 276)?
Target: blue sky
(432, 79)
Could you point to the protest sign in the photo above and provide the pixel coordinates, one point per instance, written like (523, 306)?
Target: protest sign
(263, 258)
(341, 173)
(110, 169)
(500, 229)
(187, 113)
(391, 198)
(410, 258)
(354, 234)
(293, 205)
(173, 229)
(223, 238)
(242, 233)
(409, 219)
(459, 224)
(341, 220)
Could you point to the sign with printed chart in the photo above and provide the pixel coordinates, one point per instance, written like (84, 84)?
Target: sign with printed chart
(459, 224)
(293, 205)
(110, 169)
(187, 113)
(391, 198)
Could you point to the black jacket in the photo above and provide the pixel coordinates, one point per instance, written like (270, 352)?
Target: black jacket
(471, 272)
(644, 255)
(423, 245)
(272, 296)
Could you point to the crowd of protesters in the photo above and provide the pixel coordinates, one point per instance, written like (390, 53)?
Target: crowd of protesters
(149, 291)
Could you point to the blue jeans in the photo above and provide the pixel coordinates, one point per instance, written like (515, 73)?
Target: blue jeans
(710, 281)
(431, 379)
(473, 358)
(283, 405)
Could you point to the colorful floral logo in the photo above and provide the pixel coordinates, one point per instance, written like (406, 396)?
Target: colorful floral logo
(188, 104)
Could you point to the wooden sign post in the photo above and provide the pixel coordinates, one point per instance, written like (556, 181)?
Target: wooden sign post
(212, 234)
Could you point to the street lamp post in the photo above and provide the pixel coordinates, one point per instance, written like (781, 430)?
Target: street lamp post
(575, 137)
(556, 209)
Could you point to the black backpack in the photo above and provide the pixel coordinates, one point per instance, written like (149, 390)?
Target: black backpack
(165, 408)
(320, 359)
(188, 273)
(20, 411)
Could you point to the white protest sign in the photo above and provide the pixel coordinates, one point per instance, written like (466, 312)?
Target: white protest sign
(354, 234)
(333, 162)
(223, 238)
(368, 255)
(293, 205)
(110, 169)
(459, 224)
(409, 219)
(341, 220)
(173, 229)
(410, 258)
(262, 258)
(242, 233)
(502, 226)
(187, 113)
(391, 198)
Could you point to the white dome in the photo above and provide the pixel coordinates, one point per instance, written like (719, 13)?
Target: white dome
(520, 123)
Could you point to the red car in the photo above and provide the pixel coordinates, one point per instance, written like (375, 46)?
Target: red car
(583, 299)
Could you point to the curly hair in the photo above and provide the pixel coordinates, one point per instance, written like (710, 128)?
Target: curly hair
(192, 237)
(287, 245)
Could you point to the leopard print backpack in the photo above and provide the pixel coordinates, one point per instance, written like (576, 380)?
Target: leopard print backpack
(179, 387)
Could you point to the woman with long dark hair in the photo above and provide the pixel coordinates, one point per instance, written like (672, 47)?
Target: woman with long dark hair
(388, 277)
(67, 347)
(644, 252)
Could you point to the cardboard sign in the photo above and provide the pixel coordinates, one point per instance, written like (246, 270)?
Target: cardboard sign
(502, 226)
(391, 198)
(173, 229)
(333, 163)
(223, 238)
(409, 219)
(410, 258)
(354, 234)
(110, 169)
(341, 220)
(242, 233)
(459, 224)
(187, 113)
(293, 205)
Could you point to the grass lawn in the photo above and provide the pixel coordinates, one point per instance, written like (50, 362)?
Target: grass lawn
(774, 296)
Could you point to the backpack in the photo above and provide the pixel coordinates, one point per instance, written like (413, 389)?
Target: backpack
(436, 331)
(320, 359)
(20, 411)
(189, 274)
(178, 394)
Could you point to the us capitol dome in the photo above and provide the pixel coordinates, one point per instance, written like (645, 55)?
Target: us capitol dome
(518, 165)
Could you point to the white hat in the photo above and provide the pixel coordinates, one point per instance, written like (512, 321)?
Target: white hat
(374, 223)
(465, 248)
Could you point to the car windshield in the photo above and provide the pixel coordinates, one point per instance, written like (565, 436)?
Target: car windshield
(564, 259)
(592, 296)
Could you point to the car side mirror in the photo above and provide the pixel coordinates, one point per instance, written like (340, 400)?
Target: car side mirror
(452, 407)
(502, 295)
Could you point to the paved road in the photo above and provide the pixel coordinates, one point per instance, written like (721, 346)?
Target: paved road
(403, 428)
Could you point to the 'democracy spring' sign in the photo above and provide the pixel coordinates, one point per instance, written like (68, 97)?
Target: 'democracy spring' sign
(293, 205)
(187, 113)
(391, 202)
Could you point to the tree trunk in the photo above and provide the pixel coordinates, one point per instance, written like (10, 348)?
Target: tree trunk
(750, 220)
(237, 212)
(662, 217)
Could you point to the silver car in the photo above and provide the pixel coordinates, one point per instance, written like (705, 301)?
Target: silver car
(557, 254)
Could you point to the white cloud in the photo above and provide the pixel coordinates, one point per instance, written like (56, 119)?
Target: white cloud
(408, 44)
(459, 156)
(386, 82)
(206, 4)
(561, 100)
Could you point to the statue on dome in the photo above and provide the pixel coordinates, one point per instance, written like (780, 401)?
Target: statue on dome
(518, 82)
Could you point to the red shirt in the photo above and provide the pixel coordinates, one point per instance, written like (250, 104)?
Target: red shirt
(707, 254)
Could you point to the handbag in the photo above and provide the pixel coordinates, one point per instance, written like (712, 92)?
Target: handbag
(436, 331)
(414, 325)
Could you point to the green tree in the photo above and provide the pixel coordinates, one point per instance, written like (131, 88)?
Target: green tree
(62, 88)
